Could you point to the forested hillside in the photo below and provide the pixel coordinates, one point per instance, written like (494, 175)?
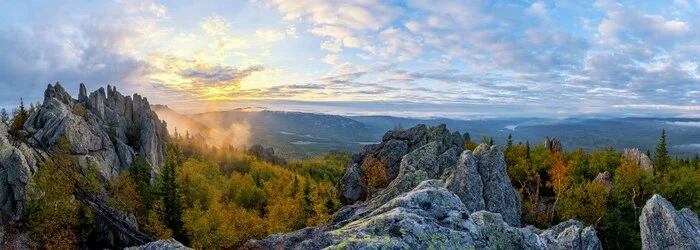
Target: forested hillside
(601, 188)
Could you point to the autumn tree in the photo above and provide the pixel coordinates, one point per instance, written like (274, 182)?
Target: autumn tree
(52, 211)
(560, 178)
(124, 194)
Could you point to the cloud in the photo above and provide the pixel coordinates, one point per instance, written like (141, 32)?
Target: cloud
(215, 25)
(538, 8)
(93, 50)
(269, 35)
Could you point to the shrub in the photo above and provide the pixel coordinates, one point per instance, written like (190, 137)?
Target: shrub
(79, 110)
(375, 173)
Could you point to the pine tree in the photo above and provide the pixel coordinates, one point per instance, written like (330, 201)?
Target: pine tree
(527, 150)
(510, 141)
(169, 190)
(491, 142)
(648, 153)
(661, 158)
(4, 117)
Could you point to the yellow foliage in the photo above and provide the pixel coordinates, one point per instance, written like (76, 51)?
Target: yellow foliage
(123, 194)
(52, 209)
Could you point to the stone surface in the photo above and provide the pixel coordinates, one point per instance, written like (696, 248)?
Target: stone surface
(466, 183)
(395, 145)
(637, 156)
(17, 164)
(431, 217)
(169, 244)
(499, 194)
(664, 227)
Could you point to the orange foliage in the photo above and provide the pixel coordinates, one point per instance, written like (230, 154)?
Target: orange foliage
(375, 173)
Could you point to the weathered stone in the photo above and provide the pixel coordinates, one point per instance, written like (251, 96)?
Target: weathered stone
(499, 194)
(394, 146)
(351, 185)
(466, 183)
(82, 95)
(17, 164)
(429, 217)
(664, 227)
(641, 159)
(169, 244)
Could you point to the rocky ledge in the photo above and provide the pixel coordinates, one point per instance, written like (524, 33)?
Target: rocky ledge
(438, 196)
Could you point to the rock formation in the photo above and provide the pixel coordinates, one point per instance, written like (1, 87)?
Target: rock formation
(266, 154)
(439, 196)
(170, 244)
(637, 156)
(17, 163)
(394, 145)
(553, 145)
(605, 178)
(108, 130)
(431, 217)
(664, 227)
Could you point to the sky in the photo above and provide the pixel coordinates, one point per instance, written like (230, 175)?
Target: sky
(419, 58)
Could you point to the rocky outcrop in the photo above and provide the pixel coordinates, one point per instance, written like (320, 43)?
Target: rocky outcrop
(637, 156)
(17, 164)
(664, 227)
(605, 178)
(169, 244)
(389, 152)
(431, 217)
(110, 129)
(441, 196)
(266, 154)
(499, 195)
(553, 145)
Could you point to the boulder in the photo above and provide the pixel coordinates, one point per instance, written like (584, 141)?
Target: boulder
(664, 227)
(641, 159)
(169, 244)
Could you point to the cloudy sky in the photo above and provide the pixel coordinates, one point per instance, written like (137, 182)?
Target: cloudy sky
(451, 58)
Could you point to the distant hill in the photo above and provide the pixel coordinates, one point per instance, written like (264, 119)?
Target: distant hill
(301, 135)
